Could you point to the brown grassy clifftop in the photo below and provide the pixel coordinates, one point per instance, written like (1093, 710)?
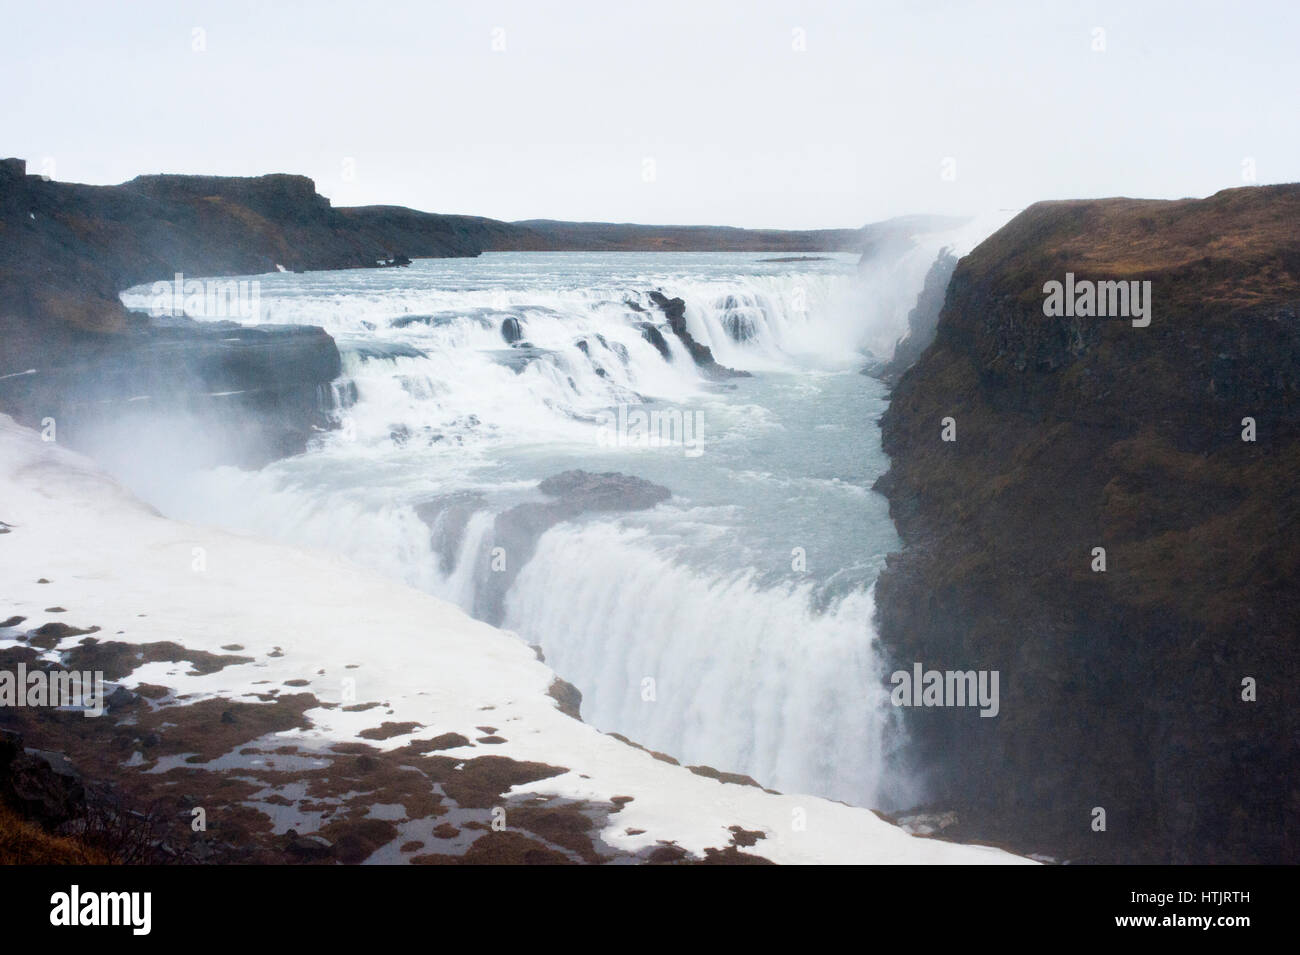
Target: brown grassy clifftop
(1121, 689)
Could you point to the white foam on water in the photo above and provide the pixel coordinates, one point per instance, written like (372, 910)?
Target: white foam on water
(715, 670)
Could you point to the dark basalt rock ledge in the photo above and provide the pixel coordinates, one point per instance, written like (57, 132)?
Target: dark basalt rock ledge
(674, 310)
(567, 496)
(70, 348)
(1120, 689)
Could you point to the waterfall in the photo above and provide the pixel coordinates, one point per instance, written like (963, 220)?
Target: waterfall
(465, 382)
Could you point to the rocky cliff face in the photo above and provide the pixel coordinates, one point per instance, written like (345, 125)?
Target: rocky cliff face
(66, 250)
(922, 320)
(1120, 689)
(74, 354)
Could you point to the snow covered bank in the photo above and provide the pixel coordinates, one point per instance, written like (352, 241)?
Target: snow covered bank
(368, 652)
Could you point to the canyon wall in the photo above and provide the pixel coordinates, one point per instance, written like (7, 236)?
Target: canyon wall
(1125, 689)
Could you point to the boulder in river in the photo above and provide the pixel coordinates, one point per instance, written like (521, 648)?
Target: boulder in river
(571, 493)
(674, 310)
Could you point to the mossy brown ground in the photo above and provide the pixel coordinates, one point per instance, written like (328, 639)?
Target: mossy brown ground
(121, 755)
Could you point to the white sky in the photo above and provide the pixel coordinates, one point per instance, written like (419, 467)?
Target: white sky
(742, 128)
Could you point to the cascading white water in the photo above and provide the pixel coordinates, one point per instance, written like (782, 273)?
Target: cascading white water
(716, 670)
(760, 664)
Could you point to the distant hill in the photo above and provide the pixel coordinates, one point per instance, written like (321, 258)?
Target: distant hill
(67, 250)
(550, 234)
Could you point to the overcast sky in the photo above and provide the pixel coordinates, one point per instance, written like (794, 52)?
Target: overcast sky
(784, 114)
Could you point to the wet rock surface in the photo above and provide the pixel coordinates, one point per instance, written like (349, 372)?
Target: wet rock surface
(922, 320)
(78, 356)
(572, 493)
(674, 310)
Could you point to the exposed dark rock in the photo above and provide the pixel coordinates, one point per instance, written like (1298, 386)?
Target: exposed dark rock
(307, 847)
(437, 321)
(519, 356)
(580, 491)
(737, 318)
(1119, 689)
(746, 837)
(655, 337)
(665, 855)
(739, 326)
(119, 698)
(118, 660)
(387, 730)
(662, 757)
(674, 310)
(731, 855)
(441, 741)
(49, 635)
(922, 320)
(79, 357)
(567, 695)
(447, 517)
(261, 388)
(378, 348)
(42, 787)
(736, 779)
(618, 348)
(510, 330)
(573, 493)
(69, 249)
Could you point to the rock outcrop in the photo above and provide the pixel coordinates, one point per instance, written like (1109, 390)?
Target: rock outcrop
(74, 354)
(656, 338)
(511, 331)
(922, 320)
(255, 393)
(1164, 689)
(66, 250)
(674, 310)
(569, 494)
(39, 786)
